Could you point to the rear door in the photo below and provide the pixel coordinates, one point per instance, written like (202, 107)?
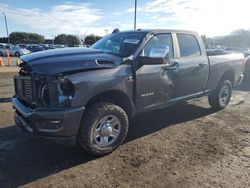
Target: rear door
(192, 74)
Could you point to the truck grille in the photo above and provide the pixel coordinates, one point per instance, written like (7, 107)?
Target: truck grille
(23, 88)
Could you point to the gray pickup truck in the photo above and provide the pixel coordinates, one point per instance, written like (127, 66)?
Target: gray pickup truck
(87, 96)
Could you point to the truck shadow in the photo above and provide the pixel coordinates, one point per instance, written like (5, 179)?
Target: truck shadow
(149, 123)
(26, 159)
(245, 85)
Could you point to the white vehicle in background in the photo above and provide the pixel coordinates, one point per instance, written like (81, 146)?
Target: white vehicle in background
(2, 45)
(245, 51)
(22, 45)
(13, 51)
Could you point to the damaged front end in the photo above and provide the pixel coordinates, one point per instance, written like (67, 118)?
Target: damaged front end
(46, 101)
(43, 105)
(37, 90)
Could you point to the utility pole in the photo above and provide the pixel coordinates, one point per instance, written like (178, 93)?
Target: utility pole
(135, 15)
(53, 38)
(106, 31)
(6, 25)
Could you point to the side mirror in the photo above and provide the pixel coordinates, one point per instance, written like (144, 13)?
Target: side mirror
(128, 60)
(157, 54)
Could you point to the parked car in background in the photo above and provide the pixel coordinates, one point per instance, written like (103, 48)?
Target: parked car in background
(48, 46)
(2, 45)
(35, 48)
(22, 45)
(13, 51)
(245, 51)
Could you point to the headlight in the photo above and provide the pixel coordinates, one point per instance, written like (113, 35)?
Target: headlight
(66, 91)
(67, 87)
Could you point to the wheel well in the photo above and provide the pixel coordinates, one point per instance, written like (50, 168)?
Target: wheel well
(229, 75)
(116, 97)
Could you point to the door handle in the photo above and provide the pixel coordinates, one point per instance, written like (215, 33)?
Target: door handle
(202, 64)
(172, 66)
(169, 67)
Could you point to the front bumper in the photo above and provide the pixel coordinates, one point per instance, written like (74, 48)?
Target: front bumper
(58, 124)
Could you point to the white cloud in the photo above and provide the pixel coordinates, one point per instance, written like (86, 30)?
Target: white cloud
(70, 18)
(211, 17)
(117, 13)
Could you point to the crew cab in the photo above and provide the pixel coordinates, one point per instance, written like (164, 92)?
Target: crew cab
(87, 96)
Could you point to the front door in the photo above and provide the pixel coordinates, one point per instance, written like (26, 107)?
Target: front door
(153, 81)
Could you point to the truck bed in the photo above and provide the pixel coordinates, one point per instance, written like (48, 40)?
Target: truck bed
(220, 63)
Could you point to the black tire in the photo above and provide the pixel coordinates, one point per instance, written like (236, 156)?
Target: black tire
(17, 54)
(90, 121)
(1, 54)
(217, 99)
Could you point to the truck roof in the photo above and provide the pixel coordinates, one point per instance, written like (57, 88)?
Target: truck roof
(156, 31)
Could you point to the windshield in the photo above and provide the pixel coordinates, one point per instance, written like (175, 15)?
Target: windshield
(121, 44)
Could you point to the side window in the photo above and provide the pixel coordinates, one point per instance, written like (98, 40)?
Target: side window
(158, 46)
(188, 45)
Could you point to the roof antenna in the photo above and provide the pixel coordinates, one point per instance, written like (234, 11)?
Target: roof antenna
(115, 31)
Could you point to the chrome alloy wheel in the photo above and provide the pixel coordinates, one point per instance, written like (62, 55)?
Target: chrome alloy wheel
(107, 130)
(224, 95)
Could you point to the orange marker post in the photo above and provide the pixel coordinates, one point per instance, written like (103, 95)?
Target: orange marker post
(8, 58)
(1, 62)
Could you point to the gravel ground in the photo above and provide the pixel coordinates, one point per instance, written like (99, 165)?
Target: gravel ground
(187, 145)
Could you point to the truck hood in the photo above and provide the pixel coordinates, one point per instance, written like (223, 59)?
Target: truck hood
(69, 59)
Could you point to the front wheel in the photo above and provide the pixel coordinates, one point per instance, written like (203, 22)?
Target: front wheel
(103, 129)
(221, 96)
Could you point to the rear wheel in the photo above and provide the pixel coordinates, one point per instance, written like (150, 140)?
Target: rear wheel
(103, 129)
(221, 96)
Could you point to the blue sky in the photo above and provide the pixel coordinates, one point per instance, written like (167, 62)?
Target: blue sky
(52, 17)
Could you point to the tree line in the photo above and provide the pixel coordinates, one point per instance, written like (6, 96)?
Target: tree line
(238, 38)
(34, 38)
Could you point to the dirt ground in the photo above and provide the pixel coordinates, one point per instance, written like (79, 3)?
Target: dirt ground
(188, 145)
